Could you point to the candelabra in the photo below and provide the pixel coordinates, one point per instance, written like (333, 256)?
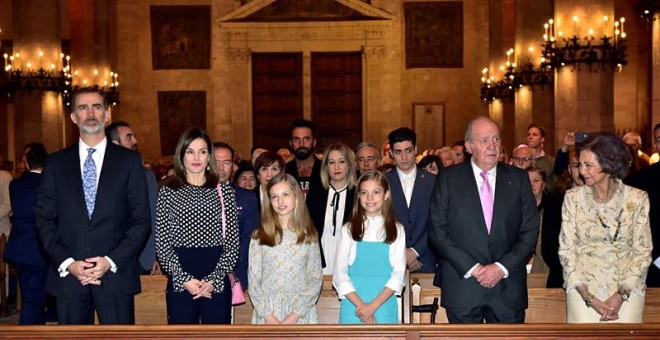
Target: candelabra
(36, 74)
(596, 53)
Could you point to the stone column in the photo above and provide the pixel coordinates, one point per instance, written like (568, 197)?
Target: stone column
(502, 17)
(38, 114)
(584, 100)
(533, 105)
(655, 70)
(90, 42)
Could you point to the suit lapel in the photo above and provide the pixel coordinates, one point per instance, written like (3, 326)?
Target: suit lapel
(73, 173)
(107, 170)
(502, 193)
(398, 197)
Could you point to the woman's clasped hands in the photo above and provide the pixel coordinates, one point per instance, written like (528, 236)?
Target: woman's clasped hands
(198, 288)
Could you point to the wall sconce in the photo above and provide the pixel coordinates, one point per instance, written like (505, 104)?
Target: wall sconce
(596, 53)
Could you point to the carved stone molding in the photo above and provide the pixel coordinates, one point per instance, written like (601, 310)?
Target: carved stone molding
(238, 54)
(374, 52)
(305, 31)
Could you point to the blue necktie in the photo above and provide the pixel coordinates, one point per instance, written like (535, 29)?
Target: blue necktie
(89, 181)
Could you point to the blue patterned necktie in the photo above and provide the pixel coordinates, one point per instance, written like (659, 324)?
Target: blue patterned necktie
(89, 181)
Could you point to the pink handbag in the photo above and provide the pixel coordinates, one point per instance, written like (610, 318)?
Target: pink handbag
(237, 296)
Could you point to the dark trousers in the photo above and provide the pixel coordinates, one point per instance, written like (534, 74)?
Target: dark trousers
(32, 280)
(111, 310)
(487, 313)
(182, 309)
(653, 278)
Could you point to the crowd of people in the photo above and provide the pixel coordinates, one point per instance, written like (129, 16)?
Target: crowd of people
(91, 218)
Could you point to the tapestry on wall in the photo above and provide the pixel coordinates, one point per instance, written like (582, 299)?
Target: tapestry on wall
(181, 37)
(434, 34)
(179, 111)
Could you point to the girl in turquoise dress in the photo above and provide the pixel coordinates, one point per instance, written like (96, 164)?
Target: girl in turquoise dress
(284, 268)
(370, 261)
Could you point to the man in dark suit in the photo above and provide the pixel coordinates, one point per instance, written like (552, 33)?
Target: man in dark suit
(122, 134)
(648, 179)
(411, 189)
(246, 206)
(23, 250)
(484, 224)
(92, 216)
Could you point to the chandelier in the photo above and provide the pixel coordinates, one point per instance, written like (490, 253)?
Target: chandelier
(607, 52)
(51, 71)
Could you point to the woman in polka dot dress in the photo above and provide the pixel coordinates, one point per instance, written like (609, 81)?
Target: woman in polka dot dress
(189, 241)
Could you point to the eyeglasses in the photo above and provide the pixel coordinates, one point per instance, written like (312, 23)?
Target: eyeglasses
(522, 159)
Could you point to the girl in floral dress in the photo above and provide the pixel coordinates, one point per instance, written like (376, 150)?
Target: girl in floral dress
(284, 269)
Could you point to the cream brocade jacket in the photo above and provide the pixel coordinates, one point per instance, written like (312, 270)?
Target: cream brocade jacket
(591, 250)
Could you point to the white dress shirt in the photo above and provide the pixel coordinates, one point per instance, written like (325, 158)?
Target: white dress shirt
(407, 183)
(374, 231)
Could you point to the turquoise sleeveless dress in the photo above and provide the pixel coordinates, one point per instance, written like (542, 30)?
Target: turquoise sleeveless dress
(369, 273)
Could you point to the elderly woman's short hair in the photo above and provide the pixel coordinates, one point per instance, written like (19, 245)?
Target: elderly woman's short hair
(612, 153)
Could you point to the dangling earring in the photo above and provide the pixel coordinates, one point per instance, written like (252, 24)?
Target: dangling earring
(207, 167)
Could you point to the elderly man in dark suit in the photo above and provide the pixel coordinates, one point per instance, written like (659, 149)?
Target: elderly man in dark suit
(411, 189)
(92, 216)
(484, 224)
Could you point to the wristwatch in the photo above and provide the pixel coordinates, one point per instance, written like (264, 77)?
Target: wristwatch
(624, 294)
(587, 301)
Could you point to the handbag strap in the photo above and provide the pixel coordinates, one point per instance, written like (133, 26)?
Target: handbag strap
(222, 212)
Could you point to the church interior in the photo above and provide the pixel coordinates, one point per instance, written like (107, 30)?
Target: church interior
(243, 70)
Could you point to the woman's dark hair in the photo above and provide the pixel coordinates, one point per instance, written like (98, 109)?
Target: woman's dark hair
(185, 140)
(538, 170)
(612, 153)
(267, 159)
(243, 166)
(430, 159)
(359, 216)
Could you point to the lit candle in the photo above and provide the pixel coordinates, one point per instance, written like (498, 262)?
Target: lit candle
(546, 26)
(531, 54)
(591, 34)
(16, 65)
(41, 59)
(6, 56)
(552, 27)
(575, 21)
(29, 66)
(622, 20)
(605, 19)
(68, 58)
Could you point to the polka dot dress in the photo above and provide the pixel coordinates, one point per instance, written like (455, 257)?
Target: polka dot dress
(190, 217)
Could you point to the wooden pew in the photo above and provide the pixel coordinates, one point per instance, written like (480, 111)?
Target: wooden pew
(398, 332)
(545, 305)
(150, 307)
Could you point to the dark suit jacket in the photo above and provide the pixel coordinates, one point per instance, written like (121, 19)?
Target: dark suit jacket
(317, 201)
(648, 179)
(148, 252)
(550, 239)
(459, 235)
(415, 218)
(248, 220)
(117, 228)
(23, 245)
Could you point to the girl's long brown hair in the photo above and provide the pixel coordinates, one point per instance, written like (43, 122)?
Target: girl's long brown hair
(359, 217)
(270, 230)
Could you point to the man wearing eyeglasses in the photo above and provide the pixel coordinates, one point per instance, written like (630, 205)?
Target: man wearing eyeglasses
(246, 206)
(92, 217)
(523, 157)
